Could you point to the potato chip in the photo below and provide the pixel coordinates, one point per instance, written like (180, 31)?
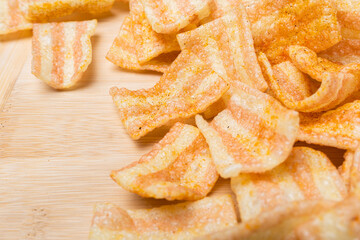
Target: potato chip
(345, 52)
(254, 134)
(337, 83)
(180, 221)
(339, 222)
(278, 223)
(149, 44)
(337, 128)
(187, 88)
(62, 52)
(179, 167)
(276, 25)
(123, 52)
(169, 17)
(226, 45)
(307, 174)
(46, 9)
(350, 169)
(11, 19)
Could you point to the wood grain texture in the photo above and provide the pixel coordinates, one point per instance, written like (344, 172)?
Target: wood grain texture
(57, 148)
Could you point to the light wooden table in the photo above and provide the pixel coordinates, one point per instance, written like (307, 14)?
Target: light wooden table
(57, 148)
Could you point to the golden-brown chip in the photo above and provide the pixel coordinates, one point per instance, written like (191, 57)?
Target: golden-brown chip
(169, 17)
(219, 8)
(345, 52)
(179, 167)
(149, 44)
(348, 13)
(277, 25)
(46, 9)
(62, 52)
(339, 222)
(350, 169)
(226, 45)
(337, 82)
(187, 88)
(337, 128)
(180, 221)
(123, 52)
(11, 18)
(278, 223)
(307, 174)
(254, 134)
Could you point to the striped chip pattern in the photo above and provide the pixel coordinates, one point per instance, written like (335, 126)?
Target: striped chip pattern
(276, 25)
(226, 45)
(149, 44)
(306, 175)
(254, 134)
(187, 88)
(179, 167)
(337, 82)
(62, 52)
(11, 18)
(180, 221)
(123, 52)
(170, 16)
(337, 128)
(39, 10)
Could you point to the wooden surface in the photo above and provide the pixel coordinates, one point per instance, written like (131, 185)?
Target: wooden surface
(57, 148)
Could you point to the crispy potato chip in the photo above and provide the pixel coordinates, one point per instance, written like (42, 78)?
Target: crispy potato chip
(169, 17)
(62, 52)
(11, 19)
(254, 134)
(350, 169)
(219, 8)
(307, 174)
(339, 222)
(180, 221)
(345, 52)
(226, 45)
(337, 82)
(187, 88)
(277, 25)
(123, 52)
(278, 223)
(46, 9)
(179, 167)
(337, 128)
(149, 44)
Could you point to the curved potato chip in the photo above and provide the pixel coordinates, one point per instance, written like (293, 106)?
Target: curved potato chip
(254, 134)
(187, 88)
(180, 221)
(339, 222)
(276, 25)
(278, 223)
(169, 17)
(337, 128)
(149, 44)
(62, 52)
(123, 52)
(45, 9)
(179, 167)
(226, 45)
(11, 19)
(335, 88)
(345, 52)
(307, 174)
(350, 169)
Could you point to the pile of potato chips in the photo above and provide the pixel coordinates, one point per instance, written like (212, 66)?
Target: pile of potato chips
(257, 76)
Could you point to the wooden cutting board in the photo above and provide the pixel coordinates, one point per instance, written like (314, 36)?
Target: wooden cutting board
(57, 148)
